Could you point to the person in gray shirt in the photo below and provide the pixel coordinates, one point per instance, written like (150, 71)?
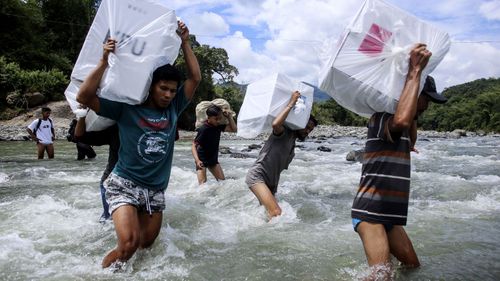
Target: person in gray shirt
(263, 177)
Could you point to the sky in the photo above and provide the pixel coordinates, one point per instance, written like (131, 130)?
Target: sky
(263, 37)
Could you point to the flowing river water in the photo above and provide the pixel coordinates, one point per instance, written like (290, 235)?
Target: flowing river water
(49, 212)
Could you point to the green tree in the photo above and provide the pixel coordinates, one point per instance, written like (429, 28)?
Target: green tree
(471, 106)
(329, 113)
(67, 23)
(44, 34)
(21, 33)
(231, 93)
(212, 61)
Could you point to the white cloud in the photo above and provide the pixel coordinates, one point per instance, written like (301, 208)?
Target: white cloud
(294, 32)
(251, 65)
(491, 10)
(467, 62)
(208, 23)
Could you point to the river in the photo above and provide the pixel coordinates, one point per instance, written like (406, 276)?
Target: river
(49, 211)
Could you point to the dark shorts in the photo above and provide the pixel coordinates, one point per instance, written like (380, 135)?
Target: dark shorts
(120, 191)
(356, 222)
(208, 165)
(208, 162)
(255, 175)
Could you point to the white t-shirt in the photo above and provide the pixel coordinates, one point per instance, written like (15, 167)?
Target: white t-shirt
(44, 132)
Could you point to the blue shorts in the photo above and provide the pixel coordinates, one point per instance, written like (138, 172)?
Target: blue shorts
(356, 222)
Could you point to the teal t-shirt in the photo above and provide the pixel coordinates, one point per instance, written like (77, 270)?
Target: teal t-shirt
(147, 139)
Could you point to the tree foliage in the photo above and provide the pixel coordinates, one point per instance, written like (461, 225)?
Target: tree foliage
(41, 39)
(329, 113)
(471, 106)
(213, 62)
(44, 34)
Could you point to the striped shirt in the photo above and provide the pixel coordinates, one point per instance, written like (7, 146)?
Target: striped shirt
(384, 187)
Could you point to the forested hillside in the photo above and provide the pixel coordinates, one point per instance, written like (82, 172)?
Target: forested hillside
(471, 106)
(41, 40)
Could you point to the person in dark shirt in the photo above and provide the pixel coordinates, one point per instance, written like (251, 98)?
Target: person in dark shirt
(205, 146)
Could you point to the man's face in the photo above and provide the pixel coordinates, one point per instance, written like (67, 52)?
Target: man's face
(215, 120)
(163, 92)
(45, 114)
(303, 133)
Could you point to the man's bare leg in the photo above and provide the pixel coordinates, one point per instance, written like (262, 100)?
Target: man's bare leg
(401, 247)
(267, 199)
(40, 150)
(217, 172)
(376, 245)
(50, 150)
(126, 223)
(150, 226)
(202, 175)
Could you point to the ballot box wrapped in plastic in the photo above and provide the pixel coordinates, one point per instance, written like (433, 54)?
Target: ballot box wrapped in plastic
(266, 98)
(366, 70)
(93, 122)
(146, 39)
(201, 111)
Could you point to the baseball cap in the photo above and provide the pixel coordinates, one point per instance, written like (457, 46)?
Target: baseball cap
(430, 90)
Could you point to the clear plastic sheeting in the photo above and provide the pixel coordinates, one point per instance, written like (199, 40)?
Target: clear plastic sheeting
(366, 70)
(201, 111)
(266, 98)
(146, 39)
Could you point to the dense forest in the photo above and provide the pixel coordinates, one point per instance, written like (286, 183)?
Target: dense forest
(471, 106)
(41, 40)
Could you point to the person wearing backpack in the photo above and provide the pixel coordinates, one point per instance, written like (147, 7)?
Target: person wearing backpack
(41, 130)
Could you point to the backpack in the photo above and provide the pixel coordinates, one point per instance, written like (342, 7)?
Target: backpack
(71, 131)
(40, 122)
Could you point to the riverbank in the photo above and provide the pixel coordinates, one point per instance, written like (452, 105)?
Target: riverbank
(15, 129)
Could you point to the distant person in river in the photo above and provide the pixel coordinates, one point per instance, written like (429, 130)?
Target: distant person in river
(83, 149)
(380, 207)
(135, 189)
(205, 147)
(278, 151)
(42, 131)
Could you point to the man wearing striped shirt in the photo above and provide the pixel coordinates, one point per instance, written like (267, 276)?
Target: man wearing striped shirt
(380, 208)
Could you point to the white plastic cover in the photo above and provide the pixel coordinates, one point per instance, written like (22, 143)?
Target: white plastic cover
(366, 70)
(93, 122)
(266, 98)
(201, 110)
(146, 35)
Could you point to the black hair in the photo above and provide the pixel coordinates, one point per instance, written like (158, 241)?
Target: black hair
(46, 109)
(166, 72)
(213, 110)
(311, 118)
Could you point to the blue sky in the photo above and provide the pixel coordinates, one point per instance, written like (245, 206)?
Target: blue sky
(268, 36)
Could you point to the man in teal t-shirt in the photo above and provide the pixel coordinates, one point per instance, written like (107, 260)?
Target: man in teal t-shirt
(135, 190)
(147, 140)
